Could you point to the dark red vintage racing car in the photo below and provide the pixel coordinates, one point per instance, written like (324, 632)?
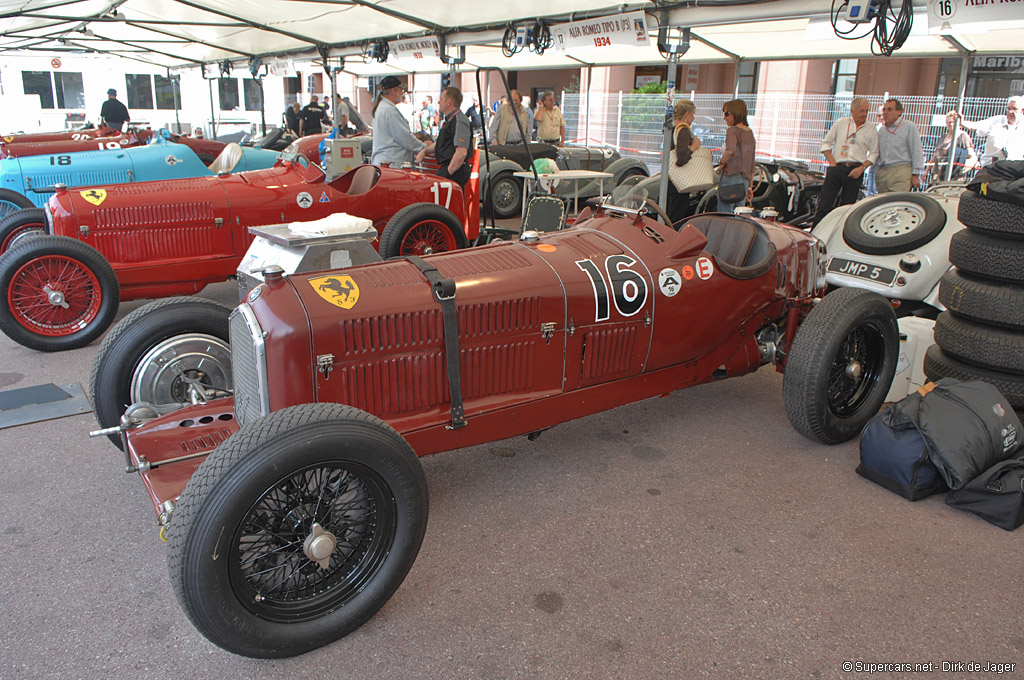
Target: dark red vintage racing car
(305, 486)
(206, 149)
(80, 133)
(155, 239)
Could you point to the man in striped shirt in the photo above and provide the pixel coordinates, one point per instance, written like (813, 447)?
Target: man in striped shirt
(900, 159)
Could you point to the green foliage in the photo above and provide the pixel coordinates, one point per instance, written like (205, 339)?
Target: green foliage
(660, 87)
(574, 85)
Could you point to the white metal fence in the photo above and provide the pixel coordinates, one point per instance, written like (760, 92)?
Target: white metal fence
(785, 125)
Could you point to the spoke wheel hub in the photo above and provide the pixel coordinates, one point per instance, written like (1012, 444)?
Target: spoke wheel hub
(320, 545)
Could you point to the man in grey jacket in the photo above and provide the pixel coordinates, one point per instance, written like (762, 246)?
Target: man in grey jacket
(393, 143)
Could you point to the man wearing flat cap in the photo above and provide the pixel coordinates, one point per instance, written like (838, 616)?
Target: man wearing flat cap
(113, 112)
(393, 143)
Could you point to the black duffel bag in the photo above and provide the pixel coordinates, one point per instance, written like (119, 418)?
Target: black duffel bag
(997, 495)
(949, 430)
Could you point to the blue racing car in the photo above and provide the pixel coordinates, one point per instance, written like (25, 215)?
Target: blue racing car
(30, 180)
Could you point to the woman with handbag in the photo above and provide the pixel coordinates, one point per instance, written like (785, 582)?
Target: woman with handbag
(737, 167)
(684, 142)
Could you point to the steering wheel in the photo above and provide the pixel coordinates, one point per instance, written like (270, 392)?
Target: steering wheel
(651, 204)
(761, 176)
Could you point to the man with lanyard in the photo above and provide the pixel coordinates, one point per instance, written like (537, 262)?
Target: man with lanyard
(550, 122)
(900, 159)
(393, 142)
(850, 147)
(454, 138)
(1004, 134)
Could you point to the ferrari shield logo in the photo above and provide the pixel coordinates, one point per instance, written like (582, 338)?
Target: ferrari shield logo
(94, 196)
(340, 291)
(8, 139)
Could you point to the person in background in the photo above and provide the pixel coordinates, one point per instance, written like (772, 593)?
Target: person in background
(531, 128)
(113, 112)
(503, 126)
(1004, 134)
(737, 164)
(408, 112)
(393, 143)
(476, 122)
(454, 139)
(685, 143)
(311, 117)
(900, 159)
(850, 148)
(550, 122)
(964, 156)
(291, 117)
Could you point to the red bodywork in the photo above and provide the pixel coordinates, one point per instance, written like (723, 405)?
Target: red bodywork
(127, 140)
(174, 237)
(83, 133)
(538, 346)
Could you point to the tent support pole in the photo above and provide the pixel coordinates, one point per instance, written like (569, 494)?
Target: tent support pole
(213, 116)
(951, 153)
(586, 133)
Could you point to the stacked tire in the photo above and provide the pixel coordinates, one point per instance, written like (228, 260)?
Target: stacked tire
(981, 335)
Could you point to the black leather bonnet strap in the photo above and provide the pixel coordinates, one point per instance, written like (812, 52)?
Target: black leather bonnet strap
(444, 293)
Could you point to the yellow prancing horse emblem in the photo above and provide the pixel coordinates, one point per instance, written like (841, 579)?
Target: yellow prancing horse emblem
(8, 139)
(94, 196)
(340, 291)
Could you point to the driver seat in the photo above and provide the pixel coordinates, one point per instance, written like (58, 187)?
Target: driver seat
(227, 160)
(740, 246)
(363, 179)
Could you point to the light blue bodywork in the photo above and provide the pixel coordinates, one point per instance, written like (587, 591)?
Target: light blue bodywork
(35, 176)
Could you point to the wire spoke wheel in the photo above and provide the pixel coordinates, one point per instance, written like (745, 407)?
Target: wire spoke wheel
(311, 542)
(427, 237)
(855, 370)
(54, 295)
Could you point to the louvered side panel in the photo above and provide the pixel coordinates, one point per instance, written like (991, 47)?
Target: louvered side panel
(396, 385)
(134, 245)
(154, 215)
(504, 316)
(498, 369)
(608, 352)
(392, 332)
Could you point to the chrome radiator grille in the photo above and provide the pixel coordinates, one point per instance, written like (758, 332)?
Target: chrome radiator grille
(248, 365)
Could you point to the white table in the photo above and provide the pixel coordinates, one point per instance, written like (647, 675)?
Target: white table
(574, 176)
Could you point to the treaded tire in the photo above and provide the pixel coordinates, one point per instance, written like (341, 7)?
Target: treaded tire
(993, 217)
(11, 200)
(130, 341)
(222, 513)
(911, 230)
(840, 365)
(938, 364)
(996, 304)
(987, 256)
(421, 229)
(980, 345)
(21, 223)
(81, 275)
(509, 192)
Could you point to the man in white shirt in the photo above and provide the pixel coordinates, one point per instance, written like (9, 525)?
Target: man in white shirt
(1004, 134)
(393, 142)
(850, 147)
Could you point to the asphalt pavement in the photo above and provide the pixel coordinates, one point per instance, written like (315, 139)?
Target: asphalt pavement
(691, 536)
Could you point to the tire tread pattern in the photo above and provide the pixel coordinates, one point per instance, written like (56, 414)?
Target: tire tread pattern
(981, 345)
(987, 256)
(986, 215)
(938, 364)
(988, 302)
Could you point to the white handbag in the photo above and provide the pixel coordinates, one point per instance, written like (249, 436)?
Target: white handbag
(697, 175)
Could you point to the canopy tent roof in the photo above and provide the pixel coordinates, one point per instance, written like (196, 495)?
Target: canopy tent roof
(181, 33)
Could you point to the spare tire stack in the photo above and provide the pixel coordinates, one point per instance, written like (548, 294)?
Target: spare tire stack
(981, 335)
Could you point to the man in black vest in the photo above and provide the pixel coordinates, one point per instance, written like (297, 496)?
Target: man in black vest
(455, 138)
(310, 117)
(113, 112)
